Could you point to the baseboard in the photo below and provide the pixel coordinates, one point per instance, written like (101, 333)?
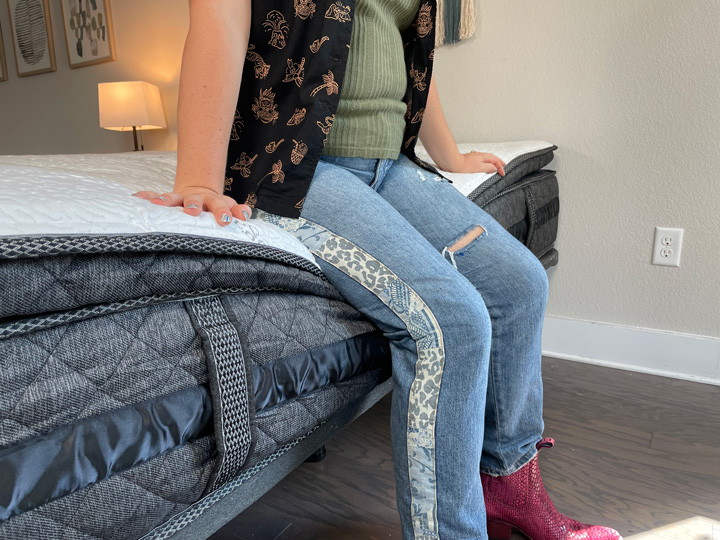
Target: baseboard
(670, 354)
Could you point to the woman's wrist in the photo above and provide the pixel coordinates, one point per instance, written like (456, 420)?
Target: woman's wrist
(199, 180)
(452, 162)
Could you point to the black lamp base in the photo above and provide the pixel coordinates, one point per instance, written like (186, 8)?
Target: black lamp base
(135, 139)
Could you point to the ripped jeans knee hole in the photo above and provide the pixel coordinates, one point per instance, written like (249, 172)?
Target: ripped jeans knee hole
(463, 243)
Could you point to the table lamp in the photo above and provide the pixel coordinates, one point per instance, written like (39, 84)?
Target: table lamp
(130, 105)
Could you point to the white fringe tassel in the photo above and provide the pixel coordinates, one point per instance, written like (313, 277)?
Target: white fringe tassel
(467, 21)
(439, 23)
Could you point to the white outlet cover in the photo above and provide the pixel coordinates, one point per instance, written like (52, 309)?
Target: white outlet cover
(667, 247)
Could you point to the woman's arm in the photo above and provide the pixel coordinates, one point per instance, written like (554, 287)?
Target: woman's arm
(210, 77)
(440, 144)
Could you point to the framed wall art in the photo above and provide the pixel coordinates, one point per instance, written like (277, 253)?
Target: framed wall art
(88, 32)
(3, 63)
(31, 36)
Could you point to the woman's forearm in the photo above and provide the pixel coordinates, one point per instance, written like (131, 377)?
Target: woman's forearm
(435, 133)
(210, 78)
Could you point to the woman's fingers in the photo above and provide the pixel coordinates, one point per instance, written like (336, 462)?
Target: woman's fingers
(224, 208)
(487, 168)
(168, 199)
(220, 209)
(147, 195)
(241, 211)
(489, 163)
(499, 165)
(193, 205)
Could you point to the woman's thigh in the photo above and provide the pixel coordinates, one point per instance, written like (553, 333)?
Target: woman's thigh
(365, 245)
(501, 268)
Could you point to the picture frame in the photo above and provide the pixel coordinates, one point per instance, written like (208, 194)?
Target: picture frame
(3, 63)
(89, 34)
(31, 36)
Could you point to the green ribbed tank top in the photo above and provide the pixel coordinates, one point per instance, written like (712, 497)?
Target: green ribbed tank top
(370, 117)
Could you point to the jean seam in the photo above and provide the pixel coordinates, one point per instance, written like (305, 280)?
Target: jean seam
(376, 176)
(519, 464)
(496, 410)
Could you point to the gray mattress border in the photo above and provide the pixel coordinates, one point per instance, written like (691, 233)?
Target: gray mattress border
(33, 246)
(40, 322)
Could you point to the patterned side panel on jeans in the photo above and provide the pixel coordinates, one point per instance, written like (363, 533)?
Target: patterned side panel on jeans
(228, 387)
(424, 329)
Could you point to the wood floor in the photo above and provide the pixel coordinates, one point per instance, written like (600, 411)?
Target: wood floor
(633, 451)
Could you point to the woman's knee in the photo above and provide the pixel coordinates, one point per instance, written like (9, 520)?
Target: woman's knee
(462, 315)
(529, 282)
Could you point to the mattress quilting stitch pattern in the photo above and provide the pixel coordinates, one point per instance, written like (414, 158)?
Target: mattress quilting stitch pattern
(277, 325)
(121, 364)
(60, 283)
(91, 194)
(150, 493)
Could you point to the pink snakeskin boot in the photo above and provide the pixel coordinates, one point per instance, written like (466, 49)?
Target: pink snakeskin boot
(519, 501)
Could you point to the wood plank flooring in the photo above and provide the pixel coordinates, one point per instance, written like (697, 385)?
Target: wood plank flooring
(633, 451)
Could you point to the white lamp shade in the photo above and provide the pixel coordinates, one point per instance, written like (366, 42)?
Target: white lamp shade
(124, 105)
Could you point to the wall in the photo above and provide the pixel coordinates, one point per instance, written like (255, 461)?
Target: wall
(630, 93)
(58, 112)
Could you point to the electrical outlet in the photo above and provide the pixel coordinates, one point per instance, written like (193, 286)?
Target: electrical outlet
(667, 246)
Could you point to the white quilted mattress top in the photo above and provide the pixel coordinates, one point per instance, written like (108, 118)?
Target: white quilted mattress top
(91, 194)
(466, 183)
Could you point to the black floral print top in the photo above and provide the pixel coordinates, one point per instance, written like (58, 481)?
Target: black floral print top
(290, 90)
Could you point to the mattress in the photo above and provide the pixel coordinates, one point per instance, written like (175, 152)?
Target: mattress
(151, 361)
(525, 200)
(147, 360)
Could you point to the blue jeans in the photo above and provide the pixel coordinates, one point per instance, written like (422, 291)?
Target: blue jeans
(464, 328)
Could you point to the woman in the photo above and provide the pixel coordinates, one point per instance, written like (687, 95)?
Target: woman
(436, 273)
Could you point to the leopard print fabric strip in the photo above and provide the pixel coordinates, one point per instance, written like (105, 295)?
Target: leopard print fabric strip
(422, 327)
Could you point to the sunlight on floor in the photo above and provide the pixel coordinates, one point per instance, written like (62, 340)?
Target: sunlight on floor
(697, 528)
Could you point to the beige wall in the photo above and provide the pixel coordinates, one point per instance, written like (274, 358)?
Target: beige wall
(629, 91)
(58, 112)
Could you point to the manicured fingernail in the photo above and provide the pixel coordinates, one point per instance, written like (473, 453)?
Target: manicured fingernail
(247, 216)
(163, 199)
(225, 218)
(193, 206)
(136, 194)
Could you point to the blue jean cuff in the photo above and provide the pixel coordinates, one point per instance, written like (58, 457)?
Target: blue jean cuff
(519, 464)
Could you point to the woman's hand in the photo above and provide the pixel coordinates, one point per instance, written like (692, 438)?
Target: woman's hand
(473, 162)
(196, 199)
(440, 144)
(210, 77)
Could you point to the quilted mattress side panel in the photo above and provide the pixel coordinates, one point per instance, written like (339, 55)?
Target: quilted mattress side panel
(274, 326)
(282, 424)
(57, 376)
(125, 506)
(529, 210)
